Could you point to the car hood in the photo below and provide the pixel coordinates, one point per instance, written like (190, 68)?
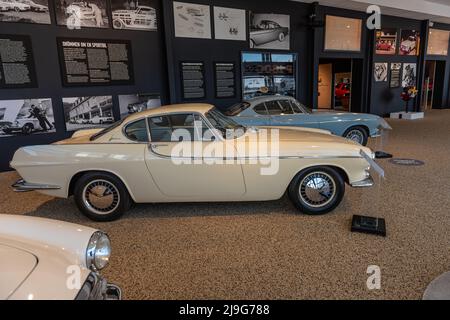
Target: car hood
(15, 266)
(304, 143)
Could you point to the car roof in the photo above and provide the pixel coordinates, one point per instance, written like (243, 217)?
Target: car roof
(260, 99)
(173, 108)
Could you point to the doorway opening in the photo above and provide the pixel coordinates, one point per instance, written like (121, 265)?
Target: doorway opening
(340, 84)
(433, 85)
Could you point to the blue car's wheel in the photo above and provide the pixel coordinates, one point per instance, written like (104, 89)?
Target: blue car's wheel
(357, 134)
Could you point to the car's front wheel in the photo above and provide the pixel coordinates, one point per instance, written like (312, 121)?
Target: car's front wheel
(357, 134)
(27, 128)
(101, 196)
(317, 190)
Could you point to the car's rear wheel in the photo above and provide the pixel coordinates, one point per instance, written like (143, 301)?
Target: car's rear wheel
(101, 196)
(317, 190)
(357, 134)
(281, 37)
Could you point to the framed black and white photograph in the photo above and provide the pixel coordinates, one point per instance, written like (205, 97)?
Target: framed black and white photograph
(409, 43)
(25, 11)
(76, 14)
(409, 74)
(270, 31)
(380, 71)
(229, 24)
(134, 15)
(26, 117)
(88, 112)
(192, 20)
(386, 41)
(132, 103)
(396, 69)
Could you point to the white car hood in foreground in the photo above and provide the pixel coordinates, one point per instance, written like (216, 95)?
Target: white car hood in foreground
(15, 265)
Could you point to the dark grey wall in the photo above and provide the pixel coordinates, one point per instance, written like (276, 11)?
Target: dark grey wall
(211, 50)
(149, 71)
(384, 100)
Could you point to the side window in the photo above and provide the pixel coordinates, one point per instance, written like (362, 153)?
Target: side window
(160, 129)
(177, 127)
(261, 109)
(137, 131)
(285, 106)
(273, 108)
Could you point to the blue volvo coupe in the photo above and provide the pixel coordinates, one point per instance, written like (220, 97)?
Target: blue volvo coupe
(287, 111)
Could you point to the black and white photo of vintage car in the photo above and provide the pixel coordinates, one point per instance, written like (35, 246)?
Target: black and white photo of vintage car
(25, 117)
(76, 14)
(269, 31)
(192, 20)
(25, 11)
(88, 112)
(409, 75)
(132, 103)
(229, 24)
(134, 15)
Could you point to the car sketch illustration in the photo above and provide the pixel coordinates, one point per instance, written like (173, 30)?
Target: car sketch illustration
(267, 31)
(142, 17)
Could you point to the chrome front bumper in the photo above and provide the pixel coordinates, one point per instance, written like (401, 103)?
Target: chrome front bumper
(97, 288)
(23, 186)
(366, 183)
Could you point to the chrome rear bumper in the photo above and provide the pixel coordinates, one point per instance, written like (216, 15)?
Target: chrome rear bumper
(366, 183)
(23, 186)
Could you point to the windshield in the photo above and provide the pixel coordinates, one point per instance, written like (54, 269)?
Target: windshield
(106, 130)
(236, 109)
(229, 128)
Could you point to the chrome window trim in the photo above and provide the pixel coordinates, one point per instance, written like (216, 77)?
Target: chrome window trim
(125, 126)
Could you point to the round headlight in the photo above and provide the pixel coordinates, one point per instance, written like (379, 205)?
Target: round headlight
(98, 251)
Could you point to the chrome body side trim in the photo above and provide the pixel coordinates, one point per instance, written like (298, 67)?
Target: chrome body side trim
(23, 186)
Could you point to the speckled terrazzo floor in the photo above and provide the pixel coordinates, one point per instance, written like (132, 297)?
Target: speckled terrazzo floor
(268, 251)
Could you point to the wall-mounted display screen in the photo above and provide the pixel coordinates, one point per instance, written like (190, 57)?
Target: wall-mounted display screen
(386, 41)
(26, 116)
(438, 42)
(76, 14)
(25, 11)
(266, 73)
(192, 20)
(225, 83)
(132, 103)
(270, 31)
(134, 15)
(193, 80)
(87, 62)
(88, 112)
(409, 43)
(342, 34)
(16, 62)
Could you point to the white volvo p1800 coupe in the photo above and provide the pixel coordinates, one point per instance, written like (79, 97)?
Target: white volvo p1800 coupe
(42, 259)
(193, 153)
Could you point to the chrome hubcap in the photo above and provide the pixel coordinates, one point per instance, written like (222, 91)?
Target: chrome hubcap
(101, 196)
(355, 135)
(317, 189)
